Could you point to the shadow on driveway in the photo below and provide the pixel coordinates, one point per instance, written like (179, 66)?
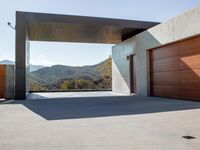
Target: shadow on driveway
(87, 107)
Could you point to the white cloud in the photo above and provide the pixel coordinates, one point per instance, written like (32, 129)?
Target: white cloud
(6, 57)
(41, 60)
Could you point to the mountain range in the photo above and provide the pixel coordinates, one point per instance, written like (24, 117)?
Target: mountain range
(32, 67)
(62, 77)
(51, 78)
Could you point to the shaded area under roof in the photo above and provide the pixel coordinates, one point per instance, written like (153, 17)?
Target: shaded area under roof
(68, 28)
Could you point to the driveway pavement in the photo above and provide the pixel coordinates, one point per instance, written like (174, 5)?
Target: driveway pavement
(100, 123)
(45, 95)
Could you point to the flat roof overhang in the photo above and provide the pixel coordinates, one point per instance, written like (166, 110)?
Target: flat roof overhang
(68, 28)
(65, 28)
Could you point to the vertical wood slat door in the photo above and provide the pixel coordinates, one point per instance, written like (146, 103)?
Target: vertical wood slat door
(190, 69)
(175, 70)
(2, 80)
(132, 61)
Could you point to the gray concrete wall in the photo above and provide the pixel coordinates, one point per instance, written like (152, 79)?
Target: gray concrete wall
(120, 66)
(180, 27)
(22, 57)
(10, 82)
(27, 64)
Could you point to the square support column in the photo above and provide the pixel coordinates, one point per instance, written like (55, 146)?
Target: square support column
(22, 57)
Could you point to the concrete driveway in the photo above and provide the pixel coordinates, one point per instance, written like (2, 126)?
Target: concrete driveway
(45, 95)
(100, 123)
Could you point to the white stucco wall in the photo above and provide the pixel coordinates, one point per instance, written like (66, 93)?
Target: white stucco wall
(180, 27)
(120, 66)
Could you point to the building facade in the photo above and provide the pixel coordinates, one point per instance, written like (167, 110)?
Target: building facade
(149, 59)
(160, 52)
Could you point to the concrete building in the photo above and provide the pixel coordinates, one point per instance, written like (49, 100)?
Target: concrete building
(6, 82)
(167, 59)
(149, 59)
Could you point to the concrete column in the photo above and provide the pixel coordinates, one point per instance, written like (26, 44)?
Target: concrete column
(20, 60)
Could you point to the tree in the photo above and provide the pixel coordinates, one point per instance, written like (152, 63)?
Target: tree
(65, 85)
(37, 87)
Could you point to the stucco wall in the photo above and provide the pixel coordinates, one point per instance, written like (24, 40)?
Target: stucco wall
(177, 28)
(9, 82)
(120, 66)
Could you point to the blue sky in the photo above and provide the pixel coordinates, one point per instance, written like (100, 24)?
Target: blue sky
(76, 53)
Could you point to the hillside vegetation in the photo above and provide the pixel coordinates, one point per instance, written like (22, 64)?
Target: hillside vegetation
(65, 78)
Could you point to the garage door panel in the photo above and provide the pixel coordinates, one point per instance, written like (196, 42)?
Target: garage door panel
(190, 94)
(190, 47)
(190, 85)
(190, 62)
(190, 52)
(2, 80)
(165, 52)
(190, 79)
(168, 64)
(190, 75)
(167, 78)
(2, 86)
(2, 91)
(176, 76)
(2, 72)
(169, 91)
(1, 95)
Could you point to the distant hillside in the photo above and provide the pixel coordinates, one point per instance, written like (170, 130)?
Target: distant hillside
(60, 77)
(7, 62)
(32, 67)
(35, 67)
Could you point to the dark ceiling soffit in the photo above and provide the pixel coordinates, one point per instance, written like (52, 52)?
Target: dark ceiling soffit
(112, 30)
(57, 18)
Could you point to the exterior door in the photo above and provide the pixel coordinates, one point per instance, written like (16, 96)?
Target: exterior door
(132, 60)
(2, 81)
(175, 70)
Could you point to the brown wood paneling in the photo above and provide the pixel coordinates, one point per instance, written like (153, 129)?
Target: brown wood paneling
(190, 83)
(167, 64)
(168, 91)
(190, 47)
(190, 75)
(2, 80)
(190, 69)
(166, 78)
(190, 62)
(165, 52)
(188, 94)
(190, 54)
(175, 70)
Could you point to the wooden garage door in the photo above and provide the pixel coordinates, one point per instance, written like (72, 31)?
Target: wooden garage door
(175, 70)
(2, 80)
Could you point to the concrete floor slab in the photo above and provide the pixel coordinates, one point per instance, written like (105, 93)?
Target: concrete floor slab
(45, 95)
(100, 123)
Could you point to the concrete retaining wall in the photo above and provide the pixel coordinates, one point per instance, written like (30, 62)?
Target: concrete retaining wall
(9, 82)
(180, 27)
(120, 66)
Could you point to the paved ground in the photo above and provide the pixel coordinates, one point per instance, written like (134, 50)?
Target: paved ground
(45, 95)
(100, 123)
